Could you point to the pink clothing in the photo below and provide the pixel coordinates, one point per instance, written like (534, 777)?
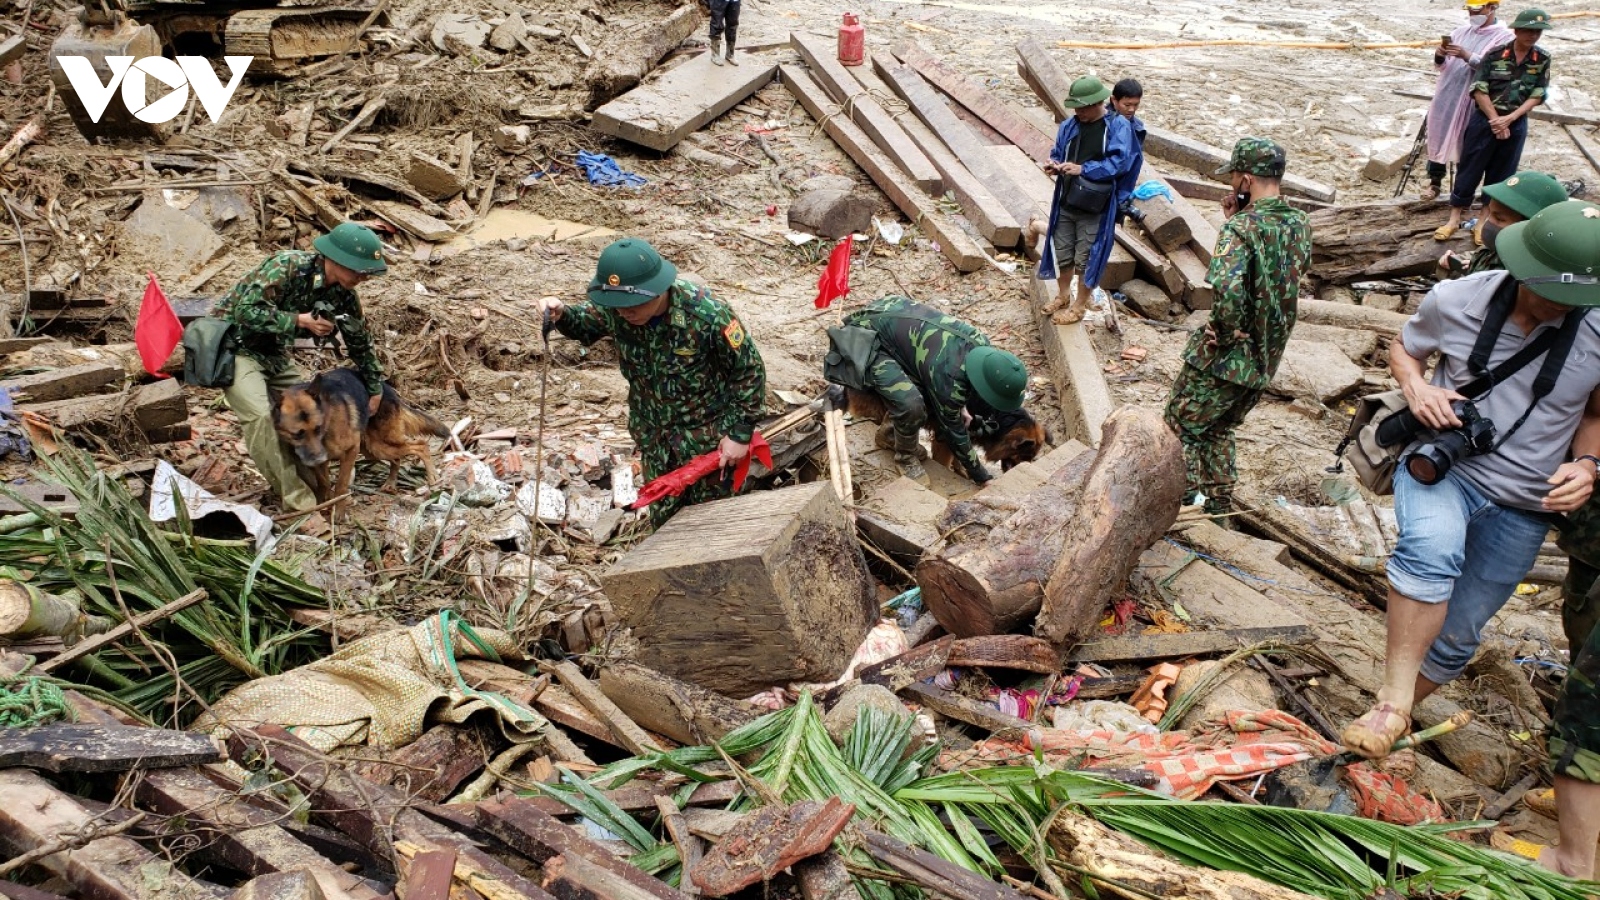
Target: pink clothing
(1452, 95)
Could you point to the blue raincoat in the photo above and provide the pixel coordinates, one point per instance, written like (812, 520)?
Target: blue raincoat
(1119, 151)
(1130, 179)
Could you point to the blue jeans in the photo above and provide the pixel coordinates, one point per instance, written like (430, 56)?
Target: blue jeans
(1459, 547)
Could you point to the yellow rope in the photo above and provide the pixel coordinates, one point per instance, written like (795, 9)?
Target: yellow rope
(1240, 42)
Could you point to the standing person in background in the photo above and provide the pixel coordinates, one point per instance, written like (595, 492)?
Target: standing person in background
(1511, 81)
(1126, 96)
(724, 17)
(1457, 59)
(1092, 153)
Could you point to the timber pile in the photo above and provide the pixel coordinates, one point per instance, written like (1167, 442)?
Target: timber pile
(98, 394)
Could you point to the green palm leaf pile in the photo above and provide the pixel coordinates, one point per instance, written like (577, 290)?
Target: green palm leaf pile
(112, 549)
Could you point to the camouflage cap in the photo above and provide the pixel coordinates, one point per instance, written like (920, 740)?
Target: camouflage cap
(1536, 19)
(1256, 156)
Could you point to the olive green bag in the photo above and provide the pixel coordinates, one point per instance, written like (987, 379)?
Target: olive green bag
(208, 349)
(850, 350)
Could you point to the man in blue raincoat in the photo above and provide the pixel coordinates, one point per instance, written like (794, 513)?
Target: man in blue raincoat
(1093, 151)
(1126, 97)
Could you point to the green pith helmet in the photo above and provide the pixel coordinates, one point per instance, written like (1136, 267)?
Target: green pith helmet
(1556, 253)
(353, 246)
(1257, 156)
(1526, 193)
(1537, 19)
(1086, 91)
(998, 377)
(630, 273)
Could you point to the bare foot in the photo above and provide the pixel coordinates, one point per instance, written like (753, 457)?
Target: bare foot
(1036, 229)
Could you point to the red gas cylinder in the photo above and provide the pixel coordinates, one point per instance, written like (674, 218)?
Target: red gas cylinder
(852, 41)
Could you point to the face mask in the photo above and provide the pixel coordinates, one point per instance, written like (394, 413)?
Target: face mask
(1477, 20)
(1491, 231)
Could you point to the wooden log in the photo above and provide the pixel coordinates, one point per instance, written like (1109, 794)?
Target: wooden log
(27, 612)
(965, 709)
(540, 837)
(687, 713)
(628, 54)
(960, 249)
(62, 384)
(431, 767)
(143, 620)
(1347, 240)
(983, 102)
(769, 841)
(822, 57)
(1160, 270)
(1132, 497)
(981, 207)
(1189, 643)
(154, 409)
(792, 553)
(1197, 292)
(37, 816)
(1041, 72)
(1120, 860)
(662, 113)
(936, 876)
(1348, 315)
(973, 153)
(626, 731)
(65, 747)
(1162, 223)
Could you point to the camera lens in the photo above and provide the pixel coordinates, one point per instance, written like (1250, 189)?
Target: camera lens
(1427, 465)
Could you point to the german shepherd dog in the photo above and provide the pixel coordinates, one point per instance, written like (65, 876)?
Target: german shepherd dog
(325, 420)
(1014, 437)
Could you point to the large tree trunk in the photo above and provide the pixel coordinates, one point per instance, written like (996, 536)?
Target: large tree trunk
(1130, 500)
(621, 63)
(1353, 242)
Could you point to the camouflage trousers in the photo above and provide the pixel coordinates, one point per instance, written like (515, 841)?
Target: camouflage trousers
(1580, 603)
(901, 396)
(1574, 739)
(664, 450)
(1204, 411)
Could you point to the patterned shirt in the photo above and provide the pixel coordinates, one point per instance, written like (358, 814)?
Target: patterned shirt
(263, 306)
(1509, 83)
(694, 375)
(1255, 276)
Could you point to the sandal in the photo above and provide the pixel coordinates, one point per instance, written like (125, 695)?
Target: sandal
(1505, 843)
(1069, 316)
(1477, 232)
(1541, 801)
(1374, 734)
(1445, 232)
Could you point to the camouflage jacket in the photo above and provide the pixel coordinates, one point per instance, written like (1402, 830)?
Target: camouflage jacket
(1255, 277)
(1580, 535)
(1509, 83)
(263, 306)
(932, 347)
(694, 375)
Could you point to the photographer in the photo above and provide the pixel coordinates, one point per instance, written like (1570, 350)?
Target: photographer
(1477, 494)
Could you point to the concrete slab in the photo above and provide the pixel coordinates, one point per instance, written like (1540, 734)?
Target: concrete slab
(660, 114)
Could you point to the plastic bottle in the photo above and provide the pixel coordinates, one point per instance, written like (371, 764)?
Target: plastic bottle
(852, 41)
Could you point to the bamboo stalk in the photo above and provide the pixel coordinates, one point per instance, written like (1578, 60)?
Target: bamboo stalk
(80, 650)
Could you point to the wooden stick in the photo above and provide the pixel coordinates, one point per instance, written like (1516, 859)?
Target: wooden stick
(368, 110)
(1503, 804)
(27, 134)
(831, 421)
(84, 648)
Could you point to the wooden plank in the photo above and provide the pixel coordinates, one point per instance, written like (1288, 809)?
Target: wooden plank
(429, 875)
(1080, 381)
(53, 497)
(90, 645)
(981, 207)
(1206, 159)
(540, 837)
(660, 114)
(822, 57)
(1050, 82)
(65, 747)
(155, 408)
(1213, 191)
(684, 712)
(19, 344)
(768, 841)
(934, 112)
(690, 847)
(1542, 113)
(623, 729)
(1189, 643)
(412, 221)
(64, 384)
(1026, 174)
(960, 249)
(1197, 290)
(12, 48)
(429, 768)
(1586, 145)
(965, 709)
(1161, 271)
(559, 706)
(35, 815)
(1000, 115)
(1121, 268)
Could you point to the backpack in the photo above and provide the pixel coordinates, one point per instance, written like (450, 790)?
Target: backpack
(208, 351)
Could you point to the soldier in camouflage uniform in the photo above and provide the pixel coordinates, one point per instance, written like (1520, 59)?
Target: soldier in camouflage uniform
(929, 365)
(292, 292)
(1514, 200)
(1574, 745)
(696, 382)
(1255, 272)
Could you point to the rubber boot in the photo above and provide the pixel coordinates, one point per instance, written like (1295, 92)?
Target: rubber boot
(716, 51)
(731, 60)
(907, 458)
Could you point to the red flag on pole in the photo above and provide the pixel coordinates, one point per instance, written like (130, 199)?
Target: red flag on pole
(157, 332)
(835, 280)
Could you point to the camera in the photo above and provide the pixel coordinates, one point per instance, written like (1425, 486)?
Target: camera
(1431, 461)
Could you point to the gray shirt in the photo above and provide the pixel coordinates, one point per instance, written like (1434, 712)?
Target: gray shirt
(1447, 323)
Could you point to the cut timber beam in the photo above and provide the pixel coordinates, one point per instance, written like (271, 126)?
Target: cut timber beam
(1586, 144)
(660, 114)
(103, 748)
(1049, 81)
(1189, 643)
(157, 409)
(997, 113)
(1349, 315)
(64, 384)
(1080, 382)
(12, 48)
(1197, 290)
(981, 207)
(961, 140)
(1213, 191)
(1206, 159)
(1025, 174)
(687, 713)
(965, 709)
(822, 57)
(962, 251)
(1161, 271)
(626, 731)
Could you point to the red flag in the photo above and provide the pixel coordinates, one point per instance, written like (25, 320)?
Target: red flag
(674, 483)
(157, 331)
(835, 280)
